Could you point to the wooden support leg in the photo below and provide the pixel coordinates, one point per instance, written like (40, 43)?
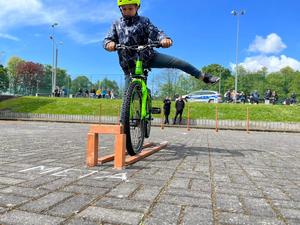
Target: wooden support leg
(120, 148)
(92, 150)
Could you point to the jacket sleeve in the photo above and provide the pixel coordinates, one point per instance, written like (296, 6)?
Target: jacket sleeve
(153, 32)
(111, 36)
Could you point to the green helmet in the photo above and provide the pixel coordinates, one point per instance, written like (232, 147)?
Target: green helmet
(128, 2)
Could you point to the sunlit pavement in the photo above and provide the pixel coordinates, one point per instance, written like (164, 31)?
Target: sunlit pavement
(202, 177)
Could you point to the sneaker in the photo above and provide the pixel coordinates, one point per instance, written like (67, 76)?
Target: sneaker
(210, 79)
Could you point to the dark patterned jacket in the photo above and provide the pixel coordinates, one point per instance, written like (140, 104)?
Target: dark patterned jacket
(136, 30)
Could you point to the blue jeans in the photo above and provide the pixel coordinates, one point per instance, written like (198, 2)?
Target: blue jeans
(166, 61)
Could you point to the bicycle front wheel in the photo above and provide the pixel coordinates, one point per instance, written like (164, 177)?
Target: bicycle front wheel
(148, 118)
(132, 119)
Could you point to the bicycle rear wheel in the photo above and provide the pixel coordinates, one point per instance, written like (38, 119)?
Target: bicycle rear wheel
(132, 119)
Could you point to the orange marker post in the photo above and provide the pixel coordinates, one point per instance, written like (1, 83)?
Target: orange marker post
(100, 109)
(217, 119)
(248, 121)
(118, 117)
(162, 120)
(188, 119)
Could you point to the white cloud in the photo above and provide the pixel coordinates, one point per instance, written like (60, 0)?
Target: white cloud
(272, 63)
(20, 12)
(71, 16)
(79, 37)
(9, 37)
(271, 44)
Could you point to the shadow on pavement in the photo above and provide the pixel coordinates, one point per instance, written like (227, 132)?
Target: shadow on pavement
(173, 152)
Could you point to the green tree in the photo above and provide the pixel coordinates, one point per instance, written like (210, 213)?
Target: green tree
(288, 77)
(168, 85)
(275, 82)
(12, 73)
(45, 84)
(81, 82)
(250, 82)
(295, 85)
(284, 82)
(219, 71)
(174, 83)
(62, 78)
(186, 84)
(108, 85)
(29, 74)
(4, 81)
(228, 84)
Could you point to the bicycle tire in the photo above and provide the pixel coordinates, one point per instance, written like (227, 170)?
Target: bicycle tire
(131, 119)
(148, 120)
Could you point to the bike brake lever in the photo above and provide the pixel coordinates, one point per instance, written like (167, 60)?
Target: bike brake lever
(119, 46)
(156, 45)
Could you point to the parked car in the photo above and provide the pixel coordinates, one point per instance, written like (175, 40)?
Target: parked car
(203, 96)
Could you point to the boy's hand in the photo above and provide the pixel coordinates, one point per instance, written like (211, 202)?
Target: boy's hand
(111, 46)
(166, 43)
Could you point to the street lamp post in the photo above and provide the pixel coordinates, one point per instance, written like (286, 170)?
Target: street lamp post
(69, 91)
(56, 60)
(237, 14)
(53, 53)
(55, 68)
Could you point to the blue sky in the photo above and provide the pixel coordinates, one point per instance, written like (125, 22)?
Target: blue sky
(203, 32)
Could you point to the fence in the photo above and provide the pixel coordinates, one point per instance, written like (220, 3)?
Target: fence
(186, 123)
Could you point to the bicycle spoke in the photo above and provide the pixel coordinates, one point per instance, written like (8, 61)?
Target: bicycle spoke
(135, 120)
(134, 124)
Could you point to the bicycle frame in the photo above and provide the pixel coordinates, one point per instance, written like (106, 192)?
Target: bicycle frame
(144, 96)
(138, 76)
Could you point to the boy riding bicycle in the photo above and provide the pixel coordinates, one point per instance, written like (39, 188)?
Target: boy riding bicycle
(132, 29)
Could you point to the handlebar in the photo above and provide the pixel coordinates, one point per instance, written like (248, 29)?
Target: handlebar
(138, 47)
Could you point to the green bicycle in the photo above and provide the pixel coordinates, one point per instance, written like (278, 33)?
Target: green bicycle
(137, 107)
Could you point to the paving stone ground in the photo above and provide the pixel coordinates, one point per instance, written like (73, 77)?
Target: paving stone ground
(202, 177)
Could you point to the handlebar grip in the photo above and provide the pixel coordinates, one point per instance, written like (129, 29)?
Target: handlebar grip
(156, 44)
(153, 45)
(120, 46)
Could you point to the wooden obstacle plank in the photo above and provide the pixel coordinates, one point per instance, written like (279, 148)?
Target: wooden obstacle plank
(106, 158)
(106, 129)
(111, 157)
(146, 152)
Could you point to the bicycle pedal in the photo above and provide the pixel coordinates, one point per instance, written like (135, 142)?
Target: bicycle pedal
(156, 110)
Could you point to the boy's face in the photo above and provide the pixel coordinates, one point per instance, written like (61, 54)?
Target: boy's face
(129, 10)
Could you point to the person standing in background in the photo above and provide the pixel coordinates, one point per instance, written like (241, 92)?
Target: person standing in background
(179, 105)
(167, 109)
